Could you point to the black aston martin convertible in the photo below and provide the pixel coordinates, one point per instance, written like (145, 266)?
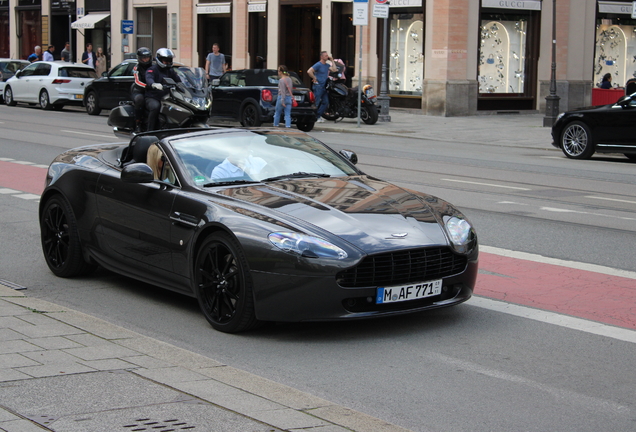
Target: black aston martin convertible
(258, 225)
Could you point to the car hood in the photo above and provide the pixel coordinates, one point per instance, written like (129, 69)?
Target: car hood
(371, 214)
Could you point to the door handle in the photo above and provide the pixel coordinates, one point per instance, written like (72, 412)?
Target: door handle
(107, 189)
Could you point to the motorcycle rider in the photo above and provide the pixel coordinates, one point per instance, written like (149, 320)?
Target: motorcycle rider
(319, 73)
(138, 90)
(160, 69)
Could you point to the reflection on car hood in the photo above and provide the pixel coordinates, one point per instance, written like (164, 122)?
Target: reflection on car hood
(368, 213)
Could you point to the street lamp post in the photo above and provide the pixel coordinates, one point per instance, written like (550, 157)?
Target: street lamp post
(384, 97)
(552, 100)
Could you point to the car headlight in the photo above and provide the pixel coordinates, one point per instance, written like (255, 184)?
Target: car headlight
(306, 246)
(459, 230)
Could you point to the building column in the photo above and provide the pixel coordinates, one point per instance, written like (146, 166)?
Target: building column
(240, 26)
(273, 33)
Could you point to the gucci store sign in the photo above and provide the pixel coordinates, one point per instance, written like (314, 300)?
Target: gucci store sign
(615, 7)
(257, 6)
(213, 8)
(512, 4)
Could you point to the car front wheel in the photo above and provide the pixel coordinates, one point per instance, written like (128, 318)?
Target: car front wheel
(250, 116)
(8, 96)
(305, 125)
(223, 285)
(45, 101)
(60, 239)
(576, 141)
(92, 104)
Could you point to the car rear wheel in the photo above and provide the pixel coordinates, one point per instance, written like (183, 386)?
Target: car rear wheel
(45, 101)
(576, 141)
(8, 96)
(223, 285)
(250, 116)
(305, 125)
(92, 104)
(60, 239)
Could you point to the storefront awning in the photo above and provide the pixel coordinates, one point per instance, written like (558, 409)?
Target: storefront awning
(88, 21)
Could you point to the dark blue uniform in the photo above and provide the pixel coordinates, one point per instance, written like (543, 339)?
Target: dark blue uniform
(155, 74)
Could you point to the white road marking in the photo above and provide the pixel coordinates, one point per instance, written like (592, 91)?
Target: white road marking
(485, 184)
(573, 323)
(22, 162)
(6, 159)
(611, 199)
(8, 191)
(28, 196)
(93, 134)
(560, 210)
(511, 202)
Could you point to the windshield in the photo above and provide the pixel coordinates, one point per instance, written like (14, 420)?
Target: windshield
(257, 156)
(76, 72)
(192, 78)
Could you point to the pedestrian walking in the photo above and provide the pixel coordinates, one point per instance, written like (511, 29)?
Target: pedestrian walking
(319, 73)
(285, 95)
(101, 62)
(66, 52)
(48, 54)
(88, 57)
(36, 55)
(215, 64)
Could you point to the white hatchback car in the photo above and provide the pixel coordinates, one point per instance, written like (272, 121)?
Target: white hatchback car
(50, 84)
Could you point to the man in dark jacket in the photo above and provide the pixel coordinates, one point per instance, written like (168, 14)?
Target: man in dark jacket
(159, 70)
(138, 90)
(88, 57)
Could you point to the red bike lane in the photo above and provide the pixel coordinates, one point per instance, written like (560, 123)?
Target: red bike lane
(589, 294)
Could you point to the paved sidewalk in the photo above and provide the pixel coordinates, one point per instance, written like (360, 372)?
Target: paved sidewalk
(65, 371)
(511, 130)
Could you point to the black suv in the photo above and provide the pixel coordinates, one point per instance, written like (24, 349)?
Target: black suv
(113, 87)
(249, 96)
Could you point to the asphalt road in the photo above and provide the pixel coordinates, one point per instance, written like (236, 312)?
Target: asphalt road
(459, 369)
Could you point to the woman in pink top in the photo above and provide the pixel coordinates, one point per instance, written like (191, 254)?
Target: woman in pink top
(284, 96)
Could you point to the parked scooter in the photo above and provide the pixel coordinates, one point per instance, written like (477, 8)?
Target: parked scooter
(343, 101)
(186, 105)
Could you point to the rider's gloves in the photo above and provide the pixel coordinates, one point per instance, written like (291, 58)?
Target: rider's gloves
(157, 86)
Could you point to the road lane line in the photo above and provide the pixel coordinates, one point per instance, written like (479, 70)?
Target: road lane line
(611, 199)
(86, 133)
(560, 210)
(553, 318)
(485, 184)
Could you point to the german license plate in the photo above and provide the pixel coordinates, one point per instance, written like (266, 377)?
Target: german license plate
(79, 96)
(408, 292)
(370, 93)
(298, 98)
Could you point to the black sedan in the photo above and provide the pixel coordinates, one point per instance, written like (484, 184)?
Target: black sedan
(602, 129)
(249, 96)
(258, 225)
(113, 87)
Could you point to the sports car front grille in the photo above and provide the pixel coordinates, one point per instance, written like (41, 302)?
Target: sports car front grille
(401, 267)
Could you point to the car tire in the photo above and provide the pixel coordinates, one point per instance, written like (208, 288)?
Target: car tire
(60, 239)
(369, 114)
(250, 116)
(45, 102)
(223, 284)
(8, 96)
(92, 104)
(576, 141)
(305, 126)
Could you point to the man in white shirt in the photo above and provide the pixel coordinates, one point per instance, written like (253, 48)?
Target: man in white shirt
(48, 54)
(239, 164)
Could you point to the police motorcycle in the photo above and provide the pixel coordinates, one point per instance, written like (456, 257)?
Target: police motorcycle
(343, 101)
(187, 105)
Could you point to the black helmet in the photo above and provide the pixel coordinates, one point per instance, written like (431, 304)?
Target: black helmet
(144, 56)
(164, 57)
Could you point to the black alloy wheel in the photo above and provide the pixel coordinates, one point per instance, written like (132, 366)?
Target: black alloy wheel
(60, 239)
(369, 114)
(8, 96)
(576, 141)
(250, 116)
(92, 104)
(223, 285)
(305, 125)
(45, 101)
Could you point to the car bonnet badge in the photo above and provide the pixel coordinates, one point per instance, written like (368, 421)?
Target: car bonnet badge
(399, 235)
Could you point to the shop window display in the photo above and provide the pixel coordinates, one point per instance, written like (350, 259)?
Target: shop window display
(502, 53)
(406, 62)
(615, 52)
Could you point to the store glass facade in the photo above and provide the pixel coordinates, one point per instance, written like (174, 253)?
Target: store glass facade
(406, 53)
(502, 55)
(615, 51)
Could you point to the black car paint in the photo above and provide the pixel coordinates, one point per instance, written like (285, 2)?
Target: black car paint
(152, 231)
(612, 127)
(238, 89)
(113, 87)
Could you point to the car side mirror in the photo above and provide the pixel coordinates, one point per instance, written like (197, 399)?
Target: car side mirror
(17, 74)
(349, 155)
(137, 173)
(216, 82)
(105, 73)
